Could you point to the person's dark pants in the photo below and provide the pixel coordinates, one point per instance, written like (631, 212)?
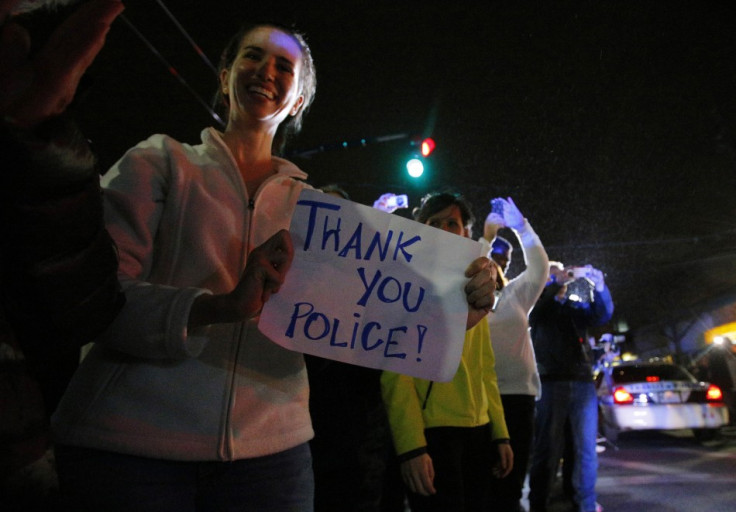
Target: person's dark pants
(96, 481)
(353, 456)
(519, 412)
(463, 460)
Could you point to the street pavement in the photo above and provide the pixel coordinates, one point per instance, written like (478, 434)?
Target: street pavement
(663, 472)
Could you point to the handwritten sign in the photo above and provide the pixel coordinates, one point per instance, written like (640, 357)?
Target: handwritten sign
(372, 289)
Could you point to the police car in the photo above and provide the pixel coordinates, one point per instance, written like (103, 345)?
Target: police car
(640, 395)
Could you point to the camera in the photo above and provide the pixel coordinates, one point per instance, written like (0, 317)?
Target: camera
(400, 201)
(578, 272)
(497, 207)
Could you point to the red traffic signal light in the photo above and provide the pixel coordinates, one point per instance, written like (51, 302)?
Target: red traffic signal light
(427, 146)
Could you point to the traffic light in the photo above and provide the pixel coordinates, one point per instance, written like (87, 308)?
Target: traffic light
(415, 167)
(415, 163)
(427, 146)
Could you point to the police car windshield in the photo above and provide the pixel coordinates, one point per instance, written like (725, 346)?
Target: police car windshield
(651, 373)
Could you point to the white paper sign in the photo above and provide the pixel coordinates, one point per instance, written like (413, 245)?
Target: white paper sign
(372, 289)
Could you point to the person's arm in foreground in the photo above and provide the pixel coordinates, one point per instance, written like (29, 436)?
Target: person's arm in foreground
(34, 90)
(404, 410)
(62, 266)
(602, 307)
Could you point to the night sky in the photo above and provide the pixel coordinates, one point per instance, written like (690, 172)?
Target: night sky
(611, 124)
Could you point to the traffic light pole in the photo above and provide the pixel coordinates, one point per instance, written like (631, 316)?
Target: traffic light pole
(348, 144)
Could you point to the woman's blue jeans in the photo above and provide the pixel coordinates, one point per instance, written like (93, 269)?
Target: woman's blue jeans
(93, 481)
(561, 401)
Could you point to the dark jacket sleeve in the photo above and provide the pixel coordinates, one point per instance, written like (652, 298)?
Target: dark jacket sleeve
(602, 309)
(59, 265)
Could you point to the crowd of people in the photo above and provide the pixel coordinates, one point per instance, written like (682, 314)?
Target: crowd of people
(165, 263)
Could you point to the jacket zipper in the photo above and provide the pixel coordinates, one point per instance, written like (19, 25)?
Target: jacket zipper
(228, 441)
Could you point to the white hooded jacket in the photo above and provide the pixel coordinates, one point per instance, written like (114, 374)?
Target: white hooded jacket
(184, 226)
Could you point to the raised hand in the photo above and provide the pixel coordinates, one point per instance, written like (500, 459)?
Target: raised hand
(33, 90)
(597, 277)
(511, 214)
(494, 220)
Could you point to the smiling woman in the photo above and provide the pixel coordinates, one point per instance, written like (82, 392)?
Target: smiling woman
(268, 61)
(183, 377)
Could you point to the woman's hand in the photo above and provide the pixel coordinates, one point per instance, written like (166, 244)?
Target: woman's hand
(33, 90)
(479, 290)
(418, 475)
(505, 463)
(264, 274)
(493, 223)
(510, 217)
(511, 214)
(597, 277)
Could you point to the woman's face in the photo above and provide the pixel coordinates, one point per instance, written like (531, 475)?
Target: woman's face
(450, 219)
(263, 82)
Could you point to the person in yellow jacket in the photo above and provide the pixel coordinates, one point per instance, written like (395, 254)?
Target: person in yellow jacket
(450, 437)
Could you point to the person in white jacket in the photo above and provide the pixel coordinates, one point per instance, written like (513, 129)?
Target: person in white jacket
(516, 367)
(182, 404)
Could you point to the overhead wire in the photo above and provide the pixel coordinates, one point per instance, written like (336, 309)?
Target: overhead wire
(172, 70)
(187, 36)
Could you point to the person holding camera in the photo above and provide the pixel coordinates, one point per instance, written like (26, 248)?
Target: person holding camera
(516, 368)
(559, 325)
